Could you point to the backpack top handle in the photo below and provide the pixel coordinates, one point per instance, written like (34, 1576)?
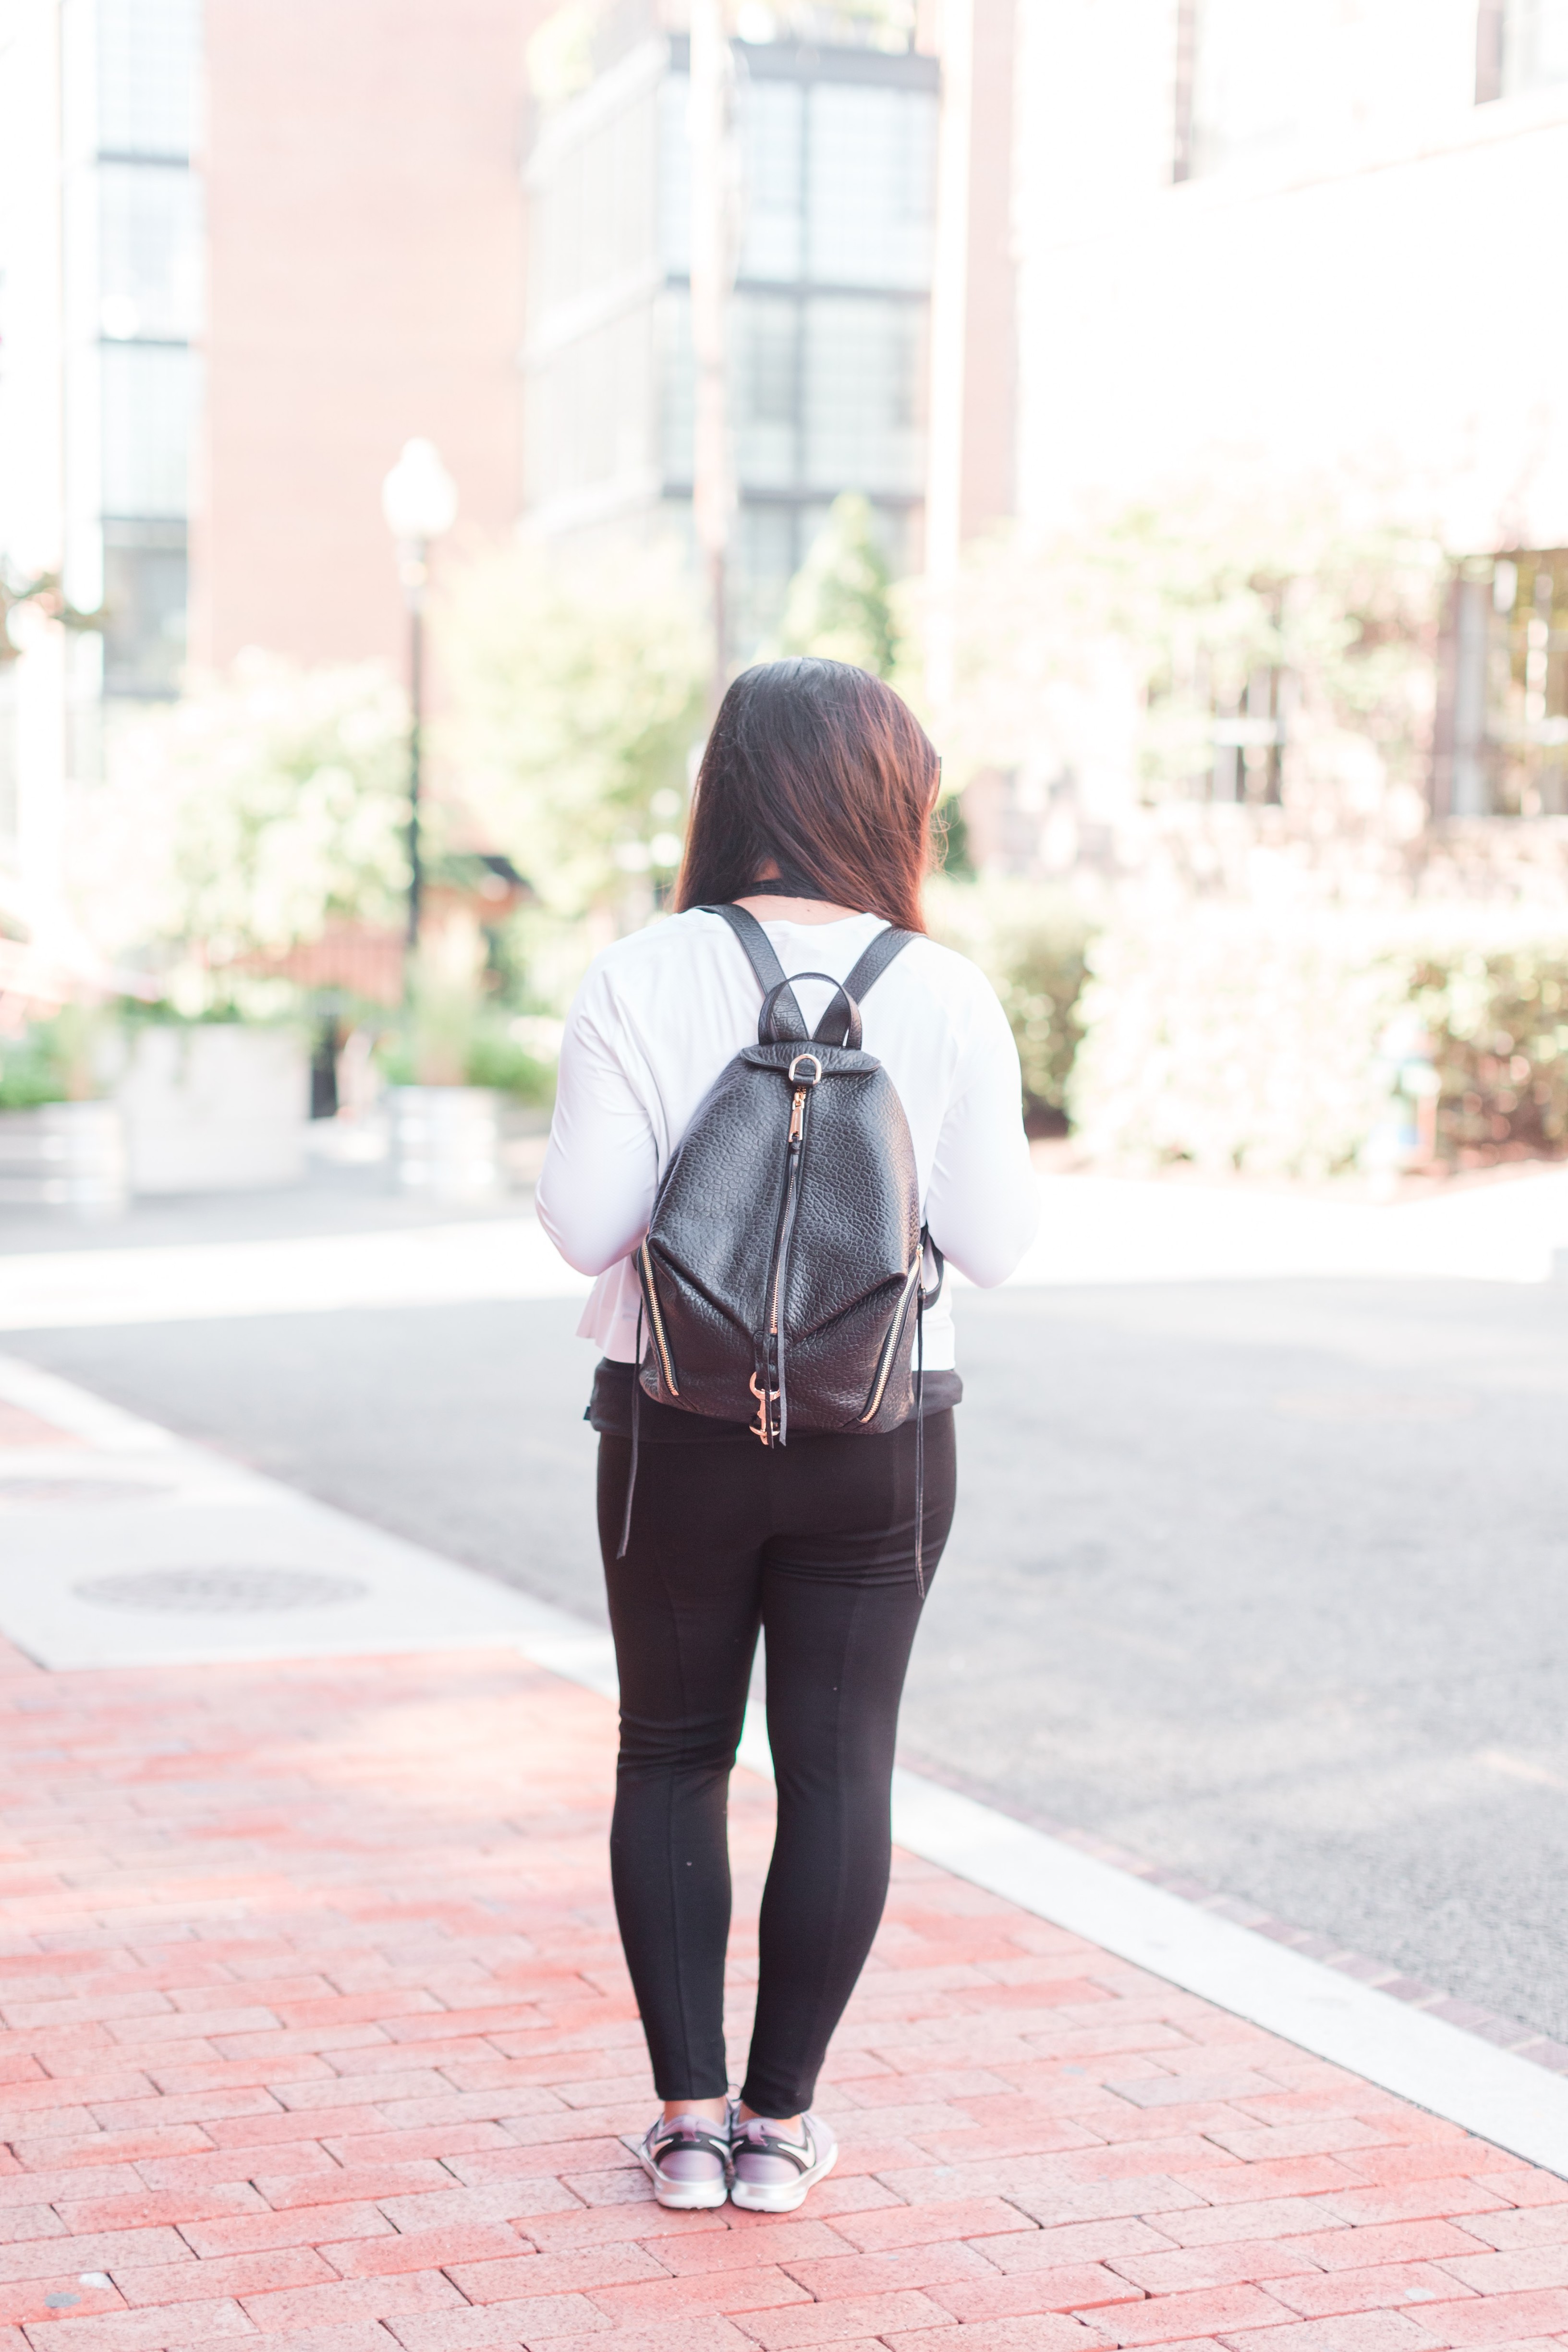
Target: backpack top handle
(843, 1013)
(777, 991)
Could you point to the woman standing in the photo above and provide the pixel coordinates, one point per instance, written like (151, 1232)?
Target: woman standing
(813, 813)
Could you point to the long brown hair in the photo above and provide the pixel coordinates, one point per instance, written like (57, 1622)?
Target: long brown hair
(823, 770)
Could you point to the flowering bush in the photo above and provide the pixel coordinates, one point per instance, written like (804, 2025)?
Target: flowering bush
(245, 817)
(1244, 1038)
(1114, 646)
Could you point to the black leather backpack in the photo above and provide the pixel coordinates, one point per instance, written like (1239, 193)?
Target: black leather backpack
(782, 1270)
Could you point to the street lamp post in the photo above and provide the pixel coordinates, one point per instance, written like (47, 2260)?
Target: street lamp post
(420, 500)
(714, 256)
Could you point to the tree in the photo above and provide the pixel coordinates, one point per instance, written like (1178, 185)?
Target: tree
(577, 693)
(840, 602)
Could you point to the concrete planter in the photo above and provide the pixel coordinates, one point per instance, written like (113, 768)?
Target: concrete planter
(214, 1108)
(64, 1155)
(446, 1142)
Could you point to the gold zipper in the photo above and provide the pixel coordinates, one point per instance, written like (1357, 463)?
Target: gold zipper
(884, 1369)
(797, 1127)
(656, 1320)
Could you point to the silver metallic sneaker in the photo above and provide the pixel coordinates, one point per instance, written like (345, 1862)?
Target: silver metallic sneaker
(687, 2161)
(775, 2173)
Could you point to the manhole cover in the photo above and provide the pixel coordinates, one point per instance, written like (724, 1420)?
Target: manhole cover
(30, 1491)
(221, 1591)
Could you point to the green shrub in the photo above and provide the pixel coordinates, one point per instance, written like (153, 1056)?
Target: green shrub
(1032, 944)
(497, 1060)
(1499, 1023)
(55, 1060)
(488, 1054)
(30, 1072)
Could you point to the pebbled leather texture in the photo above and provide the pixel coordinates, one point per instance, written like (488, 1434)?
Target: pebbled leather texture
(845, 1296)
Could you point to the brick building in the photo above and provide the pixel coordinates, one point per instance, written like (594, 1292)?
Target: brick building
(248, 253)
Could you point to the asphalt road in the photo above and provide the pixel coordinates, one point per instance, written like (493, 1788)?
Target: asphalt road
(1265, 1581)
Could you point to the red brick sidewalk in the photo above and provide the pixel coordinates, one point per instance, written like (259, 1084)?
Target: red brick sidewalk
(316, 2029)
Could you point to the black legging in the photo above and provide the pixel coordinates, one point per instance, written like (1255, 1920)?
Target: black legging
(814, 1542)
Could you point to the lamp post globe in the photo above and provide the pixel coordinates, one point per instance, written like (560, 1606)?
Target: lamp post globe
(419, 500)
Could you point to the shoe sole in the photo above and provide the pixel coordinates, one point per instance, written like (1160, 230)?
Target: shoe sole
(780, 2196)
(685, 2196)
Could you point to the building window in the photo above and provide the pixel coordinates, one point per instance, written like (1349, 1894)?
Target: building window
(827, 322)
(768, 545)
(863, 372)
(147, 402)
(149, 253)
(148, 52)
(1249, 742)
(870, 173)
(133, 298)
(144, 588)
(772, 144)
(1240, 79)
(678, 388)
(1503, 732)
(766, 376)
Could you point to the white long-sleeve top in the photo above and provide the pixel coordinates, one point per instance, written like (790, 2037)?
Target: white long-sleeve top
(653, 1024)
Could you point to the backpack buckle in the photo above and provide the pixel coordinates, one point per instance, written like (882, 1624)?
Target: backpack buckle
(796, 1077)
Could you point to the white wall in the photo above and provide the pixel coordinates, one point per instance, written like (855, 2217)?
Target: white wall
(1379, 298)
(31, 523)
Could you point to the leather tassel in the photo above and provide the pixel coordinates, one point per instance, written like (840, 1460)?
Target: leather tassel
(920, 1440)
(637, 1417)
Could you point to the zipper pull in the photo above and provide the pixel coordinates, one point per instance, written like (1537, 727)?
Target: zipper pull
(796, 1115)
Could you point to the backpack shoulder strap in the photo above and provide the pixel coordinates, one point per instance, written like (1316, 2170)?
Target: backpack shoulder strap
(876, 959)
(760, 955)
(769, 972)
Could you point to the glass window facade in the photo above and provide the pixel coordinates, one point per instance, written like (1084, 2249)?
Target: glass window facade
(773, 141)
(149, 271)
(870, 180)
(144, 608)
(148, 57)
(147, 402)
(862, 405)
(133, 255)
(676, 420)
(767, 391)
(827, 322)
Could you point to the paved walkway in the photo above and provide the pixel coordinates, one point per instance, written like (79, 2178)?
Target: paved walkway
(315, 2029)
